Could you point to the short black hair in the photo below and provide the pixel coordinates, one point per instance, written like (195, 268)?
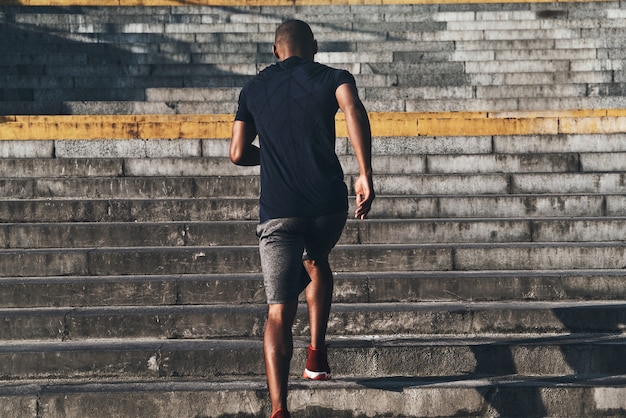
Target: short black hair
(295, 33)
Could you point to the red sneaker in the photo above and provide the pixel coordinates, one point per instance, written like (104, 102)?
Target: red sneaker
(281, 413)
(316, 365)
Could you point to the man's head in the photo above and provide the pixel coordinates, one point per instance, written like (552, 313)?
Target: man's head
(294, 38)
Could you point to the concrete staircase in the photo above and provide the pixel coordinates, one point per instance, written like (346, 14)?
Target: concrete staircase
(488, 282)
(193, 59)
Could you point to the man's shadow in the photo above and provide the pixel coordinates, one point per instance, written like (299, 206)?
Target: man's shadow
(593, 347)
(48, 69)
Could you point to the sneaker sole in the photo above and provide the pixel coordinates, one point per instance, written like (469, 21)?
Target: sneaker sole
(308, 374)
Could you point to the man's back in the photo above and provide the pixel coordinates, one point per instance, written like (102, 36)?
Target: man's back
(292, 105)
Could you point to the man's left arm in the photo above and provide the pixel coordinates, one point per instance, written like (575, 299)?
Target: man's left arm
(360, 136)
(242, 150)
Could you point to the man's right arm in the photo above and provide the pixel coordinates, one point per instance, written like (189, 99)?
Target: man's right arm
(360, 136)
(242, 151)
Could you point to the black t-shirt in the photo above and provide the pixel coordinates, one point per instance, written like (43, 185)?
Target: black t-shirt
(293, 105)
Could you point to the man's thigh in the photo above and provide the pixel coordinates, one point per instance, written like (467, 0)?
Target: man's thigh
(281, 244)
(284, 243)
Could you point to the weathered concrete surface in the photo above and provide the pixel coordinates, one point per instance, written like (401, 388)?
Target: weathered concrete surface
(392, 397)
(372, 287)
(350, 319)
(375, 356)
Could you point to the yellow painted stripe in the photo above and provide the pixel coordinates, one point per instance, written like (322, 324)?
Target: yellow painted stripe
(261, 2)
(70, 127)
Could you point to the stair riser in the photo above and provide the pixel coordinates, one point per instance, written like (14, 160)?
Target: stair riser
(344, 258)
(198, 260)
(408, 398)
(446, 185)
(434, 360)
(130, 188)
(15, 236)
(245, 322)
(371, 288)
(159, 157)
(396, 207)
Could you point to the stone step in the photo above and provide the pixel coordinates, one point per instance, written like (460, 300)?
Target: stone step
(344, 54)
(385, 164)
(511, 395)
(358, 287)
(361, 357)
(232, 19)
(203, 209)
(134, 104)
(131, 105)
(352, 319)
(369, 94)
(197, 155)
(426, 29)
(345, 258)
(422, 231)
(513, 104)
(410, 163)
(103, 62)
(248, 186)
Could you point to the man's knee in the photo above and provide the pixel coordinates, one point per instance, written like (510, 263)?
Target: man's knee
(316, 263)
(319, 269)
(282, 313)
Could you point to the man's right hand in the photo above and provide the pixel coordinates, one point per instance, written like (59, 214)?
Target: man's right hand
(364, 189)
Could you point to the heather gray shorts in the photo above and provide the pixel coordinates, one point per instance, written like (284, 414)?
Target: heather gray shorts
(285, 242)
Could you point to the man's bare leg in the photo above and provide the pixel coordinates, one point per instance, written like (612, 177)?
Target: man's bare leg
(278, 349)
(319, 294)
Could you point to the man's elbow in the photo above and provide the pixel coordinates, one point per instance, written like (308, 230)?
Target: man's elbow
(236, 156)
(244, 155)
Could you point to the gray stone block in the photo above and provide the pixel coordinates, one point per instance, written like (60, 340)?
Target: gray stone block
(28, 263)
(215, 147)
(532, 91)
(192, 95)
(568, 183)
(432, 145)
(520, 206)
(174, 148)
(170, 166)
(532, 34)
(579, 230)
(100, 148)
(542, 257)
(517, 66)
(508, 45)
(27, 149)
(603, 162)
(503, 163)
(401, 164)
(59, 167)
(616, 205)
(202, 107)
(442, 185)
(559, 143)
(468, 105)
(412, 93)
(508, 25)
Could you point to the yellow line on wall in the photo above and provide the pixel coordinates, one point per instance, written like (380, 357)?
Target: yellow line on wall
(124, 127)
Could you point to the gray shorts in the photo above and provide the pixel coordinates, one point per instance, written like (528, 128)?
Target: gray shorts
(285, 242)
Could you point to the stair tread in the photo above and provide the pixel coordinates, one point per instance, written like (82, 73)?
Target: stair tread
(334, 342)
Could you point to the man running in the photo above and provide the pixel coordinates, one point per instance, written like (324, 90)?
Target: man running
(291, 106)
